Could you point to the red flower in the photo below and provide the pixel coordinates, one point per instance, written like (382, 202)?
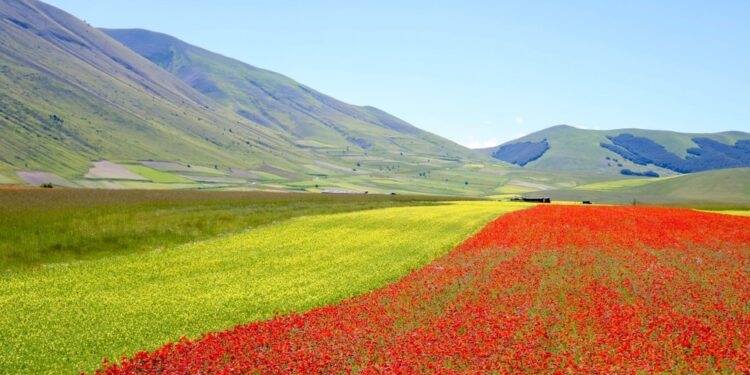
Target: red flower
(553, 289)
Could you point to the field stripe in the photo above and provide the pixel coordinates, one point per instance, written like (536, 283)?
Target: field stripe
(66, 319)
(730, 212)
(553, 289)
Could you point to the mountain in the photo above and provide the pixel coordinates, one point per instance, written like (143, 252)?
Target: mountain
(69, 94)
(145, 110)
(277, 102)
(635, 152)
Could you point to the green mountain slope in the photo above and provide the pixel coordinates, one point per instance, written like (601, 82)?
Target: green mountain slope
(725, 187)
(573, 149)
(80, 109)
(313, 119)
(69, 94)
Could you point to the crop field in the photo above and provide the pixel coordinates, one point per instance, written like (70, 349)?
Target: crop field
(619, 184)
(42, 226)
(745, 212)
(551, 289)
(66, 318)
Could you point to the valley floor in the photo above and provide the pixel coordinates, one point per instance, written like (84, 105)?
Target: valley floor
(67, 317)
(333, 283)
(553, 289)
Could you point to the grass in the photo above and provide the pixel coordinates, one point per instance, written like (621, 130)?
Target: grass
(619, 184)
(140, 301)
(158, 176)
(5, 180)
(50, 226)
(723, 189)
(514, 189)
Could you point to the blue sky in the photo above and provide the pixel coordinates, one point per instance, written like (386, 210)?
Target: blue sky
(483, 72)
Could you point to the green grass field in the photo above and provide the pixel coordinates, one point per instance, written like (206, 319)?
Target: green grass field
(158, 176)
(50, 226)
(67, 318)
(620, 184)
(720, 189)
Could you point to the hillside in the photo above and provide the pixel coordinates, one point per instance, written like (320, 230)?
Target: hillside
(313, 119)
(80, 109)
(71, 95)
(720, 187)
(626, 151)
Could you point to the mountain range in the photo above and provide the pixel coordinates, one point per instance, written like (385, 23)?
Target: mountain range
(131, 108)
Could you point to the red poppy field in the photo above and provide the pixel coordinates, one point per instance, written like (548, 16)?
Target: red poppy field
(551, 289)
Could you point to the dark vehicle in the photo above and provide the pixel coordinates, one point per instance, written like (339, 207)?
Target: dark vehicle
(586, 202)
(536, 199)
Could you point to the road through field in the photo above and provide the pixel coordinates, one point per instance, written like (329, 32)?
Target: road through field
(68, 318)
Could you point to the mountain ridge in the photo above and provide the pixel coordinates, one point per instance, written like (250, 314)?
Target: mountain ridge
(613, 151)
(267, 97)
(80, 109)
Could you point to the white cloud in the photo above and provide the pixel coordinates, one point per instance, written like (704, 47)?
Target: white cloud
(519, 120)
(472, 142)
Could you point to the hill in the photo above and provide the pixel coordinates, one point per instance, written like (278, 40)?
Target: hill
(626, 151)
(80, 109)
(71, 95)
(725, 187)
(277, 102)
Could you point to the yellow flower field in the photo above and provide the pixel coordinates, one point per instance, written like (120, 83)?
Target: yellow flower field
(66, 318)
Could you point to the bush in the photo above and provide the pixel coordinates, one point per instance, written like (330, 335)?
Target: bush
(628, 172)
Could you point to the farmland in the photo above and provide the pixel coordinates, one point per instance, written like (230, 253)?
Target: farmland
(39, 227)
(552, 289)
(205, 282)
(67, 317)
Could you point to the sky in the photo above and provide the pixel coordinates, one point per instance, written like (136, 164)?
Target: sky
(483, 72)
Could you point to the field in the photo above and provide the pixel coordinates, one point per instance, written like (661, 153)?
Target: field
(68, 317)
(725, 187)
(39, 227)
(619, 184)
(552, 289)
(208, 282)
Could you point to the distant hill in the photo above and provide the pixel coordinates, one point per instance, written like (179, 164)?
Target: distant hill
(626, 151)
(725, 187)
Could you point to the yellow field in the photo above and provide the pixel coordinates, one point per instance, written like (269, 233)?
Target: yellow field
(67, 318)
(731, 212)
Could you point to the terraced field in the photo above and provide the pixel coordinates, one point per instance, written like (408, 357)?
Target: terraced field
(68, 317)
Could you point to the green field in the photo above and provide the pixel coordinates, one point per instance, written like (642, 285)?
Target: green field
(51, 226)
(620, 184)
(719, 189)
(158, 176)
(67, 318)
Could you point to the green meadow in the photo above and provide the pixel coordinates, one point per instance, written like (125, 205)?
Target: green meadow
(44, 226)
